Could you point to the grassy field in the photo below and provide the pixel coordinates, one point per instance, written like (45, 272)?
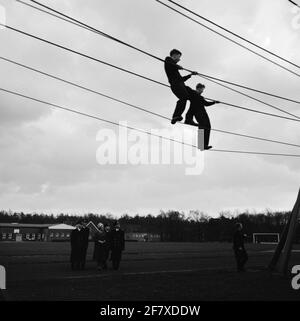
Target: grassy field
(149, 271)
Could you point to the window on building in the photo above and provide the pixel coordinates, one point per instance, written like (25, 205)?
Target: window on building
(3, 236)
(33, 236)
(67, 235)
(51, 234)
(10, 236)
(57, 235)
(27, 236)
(62, 235)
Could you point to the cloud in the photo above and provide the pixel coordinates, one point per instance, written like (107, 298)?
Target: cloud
(48, 157)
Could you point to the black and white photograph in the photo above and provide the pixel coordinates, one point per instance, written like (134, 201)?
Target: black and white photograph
(149, 155)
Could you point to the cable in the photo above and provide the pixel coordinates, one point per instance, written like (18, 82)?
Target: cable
(82, 54)
(131, 105)
(135, 74)
(88, 115)
(237, 43)
(133, 128)
(97, 31)
(249, 88)
(294, 3)
(253, 153)
(235, 34)
(248, 96)
(52, 14)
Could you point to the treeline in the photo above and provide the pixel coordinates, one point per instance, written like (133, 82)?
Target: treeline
(172, 225)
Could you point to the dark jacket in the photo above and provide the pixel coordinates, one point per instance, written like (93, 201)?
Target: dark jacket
(101, 246)
(78, 245)
(171, 69)
(238, 240)
(117, 240)
(197, 100)
(86, 234)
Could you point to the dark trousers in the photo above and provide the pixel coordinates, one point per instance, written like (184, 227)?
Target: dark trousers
(241, 257)
(83, 258)
(116, 256)
(102, 263)
(180, 91)
(202, 119)
(103, 260)
(78, 257)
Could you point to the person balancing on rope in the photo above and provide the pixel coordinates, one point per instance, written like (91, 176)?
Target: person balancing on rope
(197, 109)
(177, 83)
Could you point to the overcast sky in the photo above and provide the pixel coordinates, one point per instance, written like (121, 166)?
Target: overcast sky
(48, 157)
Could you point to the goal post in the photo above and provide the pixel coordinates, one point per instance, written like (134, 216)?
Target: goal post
(265, 238)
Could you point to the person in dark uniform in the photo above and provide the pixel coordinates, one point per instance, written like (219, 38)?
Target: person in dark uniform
(177, 83)
(197, 109)
(117, 245)
(240, 253)
(77, 246)
(108, 240)
(100, 252)
(85, 235)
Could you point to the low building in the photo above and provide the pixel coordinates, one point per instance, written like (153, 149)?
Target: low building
(59, 232)
(136, 233)
(23, 232)
(62, 232)
(142, 237)
(34, 232)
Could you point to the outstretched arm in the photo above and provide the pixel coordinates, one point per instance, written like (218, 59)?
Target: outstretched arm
(185, 78)
(210, 103)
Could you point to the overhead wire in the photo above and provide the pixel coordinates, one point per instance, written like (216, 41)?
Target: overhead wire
(133, 128)
(144, 77)
(78, 23)
(234, 34)
(129, 104)
(97, 31)
(225, 37)
(248, 96)
(294, 3)
(166, 85)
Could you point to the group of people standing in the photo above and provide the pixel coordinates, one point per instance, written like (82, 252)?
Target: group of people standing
(109, 245)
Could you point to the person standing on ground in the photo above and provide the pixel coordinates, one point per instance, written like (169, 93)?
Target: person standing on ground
(240, 252)
(77, 246)
(100, 248)
(85, 236)
(108, 240)
(117, 245)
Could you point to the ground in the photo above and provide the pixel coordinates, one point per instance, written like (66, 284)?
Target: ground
(149, 271)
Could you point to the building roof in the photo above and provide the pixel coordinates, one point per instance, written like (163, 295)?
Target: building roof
(61, 227)
(16, 225)
(91, 225)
